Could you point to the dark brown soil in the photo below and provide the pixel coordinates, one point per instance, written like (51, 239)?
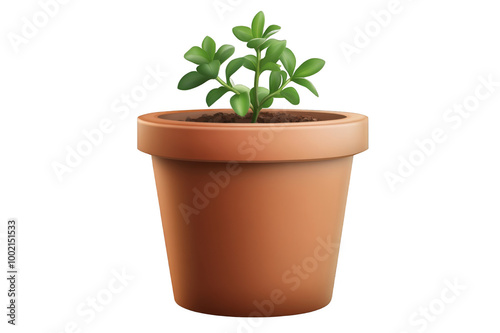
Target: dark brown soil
(264, 117)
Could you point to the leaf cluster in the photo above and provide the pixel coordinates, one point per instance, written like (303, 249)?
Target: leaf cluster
(271, 55)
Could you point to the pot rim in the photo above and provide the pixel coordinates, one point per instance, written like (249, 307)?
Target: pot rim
(156, 117)
(339, 134)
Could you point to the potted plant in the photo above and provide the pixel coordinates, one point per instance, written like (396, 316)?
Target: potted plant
(252, 202)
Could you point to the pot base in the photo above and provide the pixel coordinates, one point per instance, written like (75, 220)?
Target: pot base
(263, 310)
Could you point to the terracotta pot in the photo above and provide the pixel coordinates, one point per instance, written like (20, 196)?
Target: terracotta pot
(252, 213)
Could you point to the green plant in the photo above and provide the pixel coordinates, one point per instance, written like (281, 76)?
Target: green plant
(209, 64)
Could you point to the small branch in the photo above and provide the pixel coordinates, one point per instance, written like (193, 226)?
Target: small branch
(227, 85)
(277, 91)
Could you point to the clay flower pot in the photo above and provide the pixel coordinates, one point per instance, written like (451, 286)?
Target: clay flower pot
(252, 213)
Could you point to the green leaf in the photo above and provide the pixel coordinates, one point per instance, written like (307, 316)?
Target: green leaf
(284, 76)
(291, 95)
(211, 70)
(224, 52)
(240, 104)
(274, 51)
(271, 30)
(192, 80)
(255, 43)
(288, 60)
(268, 43)
(209, 46)
(268, 103)
(243, 33)
(233, 66)
(274, 81)
(215, 94)
(242, 88)
(197, 55)
(270, 66)
(309, 67)
(250, 62)
(306, 83)
(261, 92)
(258, 25)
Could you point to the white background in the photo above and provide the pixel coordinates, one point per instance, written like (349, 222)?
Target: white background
(400, 245)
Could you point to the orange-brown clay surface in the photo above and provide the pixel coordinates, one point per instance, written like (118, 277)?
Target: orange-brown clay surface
(252, 213)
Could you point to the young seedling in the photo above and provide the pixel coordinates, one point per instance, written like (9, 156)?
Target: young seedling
(244, 99)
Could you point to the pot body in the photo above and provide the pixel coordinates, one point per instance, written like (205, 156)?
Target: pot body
(250, 236)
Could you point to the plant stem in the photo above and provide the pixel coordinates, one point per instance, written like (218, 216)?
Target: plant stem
(258, 106)
(227, 85)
